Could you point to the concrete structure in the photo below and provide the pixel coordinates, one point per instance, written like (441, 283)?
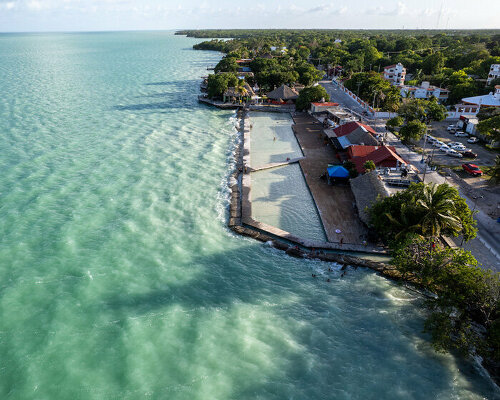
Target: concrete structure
(493, 74)
(425, 91)
(340, 116)
(463, 110)
(395, 74)
(468, 124)
(323, 107)
(488, 100)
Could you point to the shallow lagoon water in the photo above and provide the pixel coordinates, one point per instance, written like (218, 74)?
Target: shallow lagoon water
(118, 277)
(272, 139)
(280, 197)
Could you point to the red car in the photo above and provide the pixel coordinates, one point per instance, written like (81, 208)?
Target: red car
(472, 169)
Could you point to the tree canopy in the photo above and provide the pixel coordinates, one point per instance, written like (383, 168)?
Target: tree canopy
(425, 210)
(310, 95)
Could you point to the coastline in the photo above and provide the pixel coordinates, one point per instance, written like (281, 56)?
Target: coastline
(241, 222)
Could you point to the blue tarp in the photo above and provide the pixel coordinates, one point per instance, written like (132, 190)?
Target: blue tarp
(337, 171)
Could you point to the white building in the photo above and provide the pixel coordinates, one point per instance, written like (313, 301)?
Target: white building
(493, 74)
(468, 123)
(425, 91)
(282, 49)
(395, 74)
(488, 100)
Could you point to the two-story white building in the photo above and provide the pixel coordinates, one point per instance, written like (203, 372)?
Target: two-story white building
(425, 91)
(395, 74)
(493, 74)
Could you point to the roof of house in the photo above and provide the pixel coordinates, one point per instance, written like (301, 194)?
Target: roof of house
(360, 136)
(486, 100)
(361, 151)
(344, 142)
(367, 189)
(326, 104)
(390, 66)
(377, 154)
(349, 127)
(284, 93)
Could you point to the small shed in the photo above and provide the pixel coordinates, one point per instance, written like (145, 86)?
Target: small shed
(337, 174)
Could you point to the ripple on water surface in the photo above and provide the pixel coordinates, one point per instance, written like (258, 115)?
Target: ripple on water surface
(118, 278)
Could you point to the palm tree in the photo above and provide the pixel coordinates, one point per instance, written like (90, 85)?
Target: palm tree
(240, 88)
(438, 210)
(406, 222)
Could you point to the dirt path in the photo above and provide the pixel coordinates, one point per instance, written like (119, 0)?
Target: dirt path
(335, 203)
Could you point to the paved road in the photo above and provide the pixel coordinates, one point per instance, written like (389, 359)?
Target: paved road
(486, 246)
(338, 96)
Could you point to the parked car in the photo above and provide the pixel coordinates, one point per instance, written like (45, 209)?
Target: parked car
(430, 138)
(472, 139)
(469, 154)
(454, 153)
(452, 131)
(444, 148)
(472, 169)
(438, 143)
(461, 134)
(450, 127)
(459, 147)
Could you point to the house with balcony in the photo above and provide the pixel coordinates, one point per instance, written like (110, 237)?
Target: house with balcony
(395, 74)
(493, 74)
(425, 91)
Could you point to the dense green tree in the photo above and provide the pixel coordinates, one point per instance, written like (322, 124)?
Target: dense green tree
(369, 166)
(309, 95)
(393, 123)
(308, 74)
(412, 130)
(372, 88)
(433, 63)
(218, 83)
(227, 64)
(467, 296)
(425, 210)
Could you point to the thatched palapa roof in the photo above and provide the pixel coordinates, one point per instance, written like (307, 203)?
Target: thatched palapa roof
(366, 189)
(284, 93)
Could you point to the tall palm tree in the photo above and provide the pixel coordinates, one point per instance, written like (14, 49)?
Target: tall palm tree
(438, 210)
(240, 88)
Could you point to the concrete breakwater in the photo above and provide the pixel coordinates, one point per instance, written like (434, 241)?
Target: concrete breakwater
(241, 222)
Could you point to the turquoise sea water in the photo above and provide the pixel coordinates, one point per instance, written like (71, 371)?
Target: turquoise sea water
(118, 278)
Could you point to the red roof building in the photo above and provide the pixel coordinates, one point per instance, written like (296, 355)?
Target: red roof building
(319, 107)
(382, 156)
(349, 127)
